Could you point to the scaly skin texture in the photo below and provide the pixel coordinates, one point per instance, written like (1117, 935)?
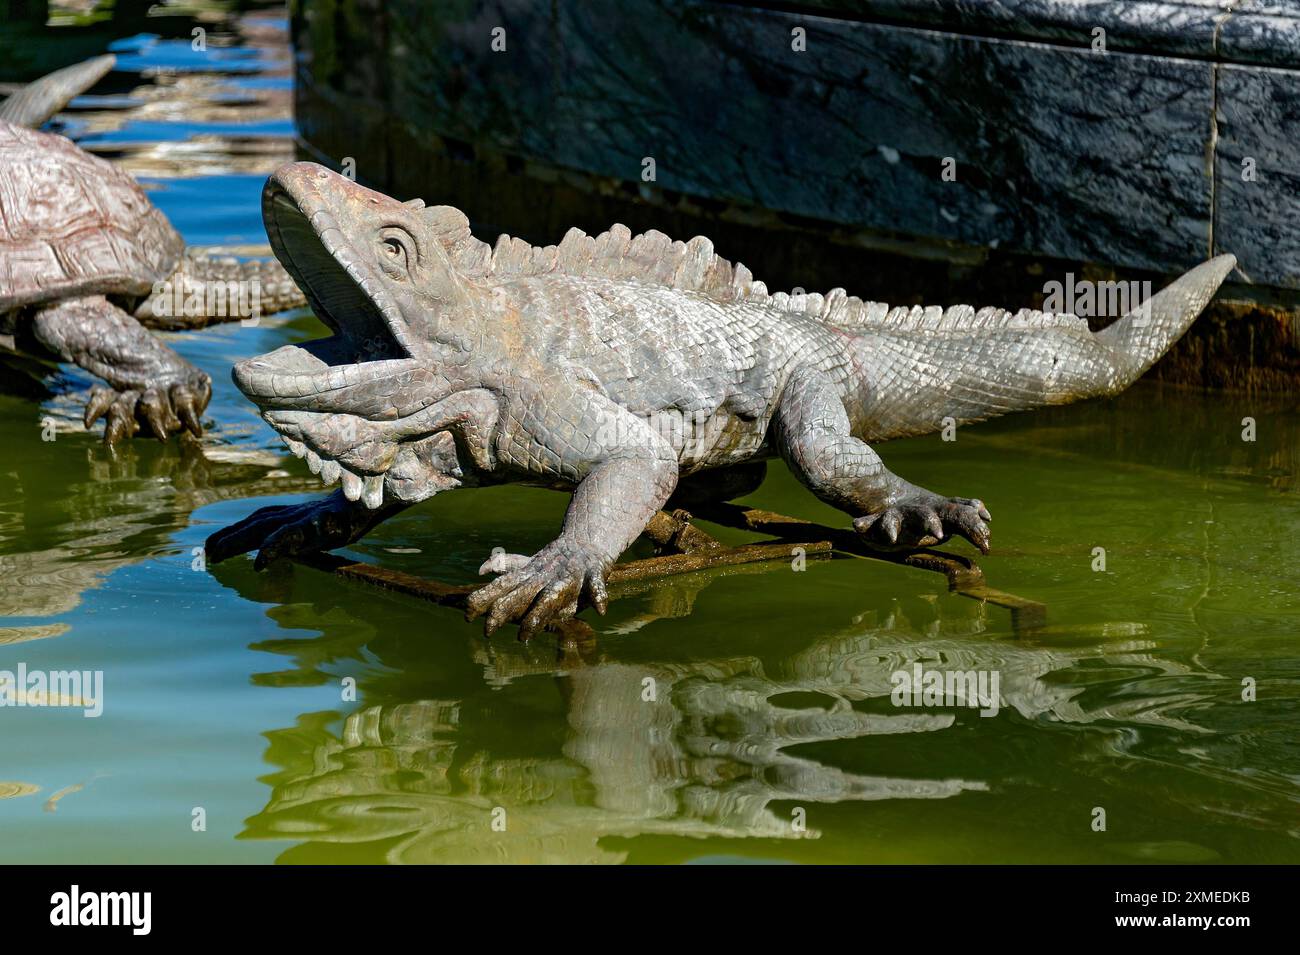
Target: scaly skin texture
(621, 367)
(147, 380)
(85, 258)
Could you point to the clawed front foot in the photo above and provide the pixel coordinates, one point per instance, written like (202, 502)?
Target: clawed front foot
(292, 529)
(927, 520)
(542, 590)
(164, 408)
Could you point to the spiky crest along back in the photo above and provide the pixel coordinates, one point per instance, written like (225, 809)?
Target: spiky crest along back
(655, 259)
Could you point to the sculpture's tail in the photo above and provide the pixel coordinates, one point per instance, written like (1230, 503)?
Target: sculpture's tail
(1138, 339)
(38, 101)
(968, 365)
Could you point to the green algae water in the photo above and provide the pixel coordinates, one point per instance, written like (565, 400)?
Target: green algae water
(724, 716)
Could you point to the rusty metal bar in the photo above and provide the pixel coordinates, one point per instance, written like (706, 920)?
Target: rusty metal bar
(964, 575)
(688, 548)
(703, 557)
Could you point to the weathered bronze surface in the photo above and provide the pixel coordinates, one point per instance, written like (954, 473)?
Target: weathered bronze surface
(86, 261)
(632, 370)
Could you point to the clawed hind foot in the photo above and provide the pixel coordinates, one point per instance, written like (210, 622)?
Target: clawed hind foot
(926, 521)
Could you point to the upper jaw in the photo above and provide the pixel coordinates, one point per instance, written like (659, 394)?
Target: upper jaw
(325, 376)
(306, 209)
(302, 204)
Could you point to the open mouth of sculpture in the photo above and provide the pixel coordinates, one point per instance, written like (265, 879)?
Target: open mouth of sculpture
(345, 292)
(333, 400)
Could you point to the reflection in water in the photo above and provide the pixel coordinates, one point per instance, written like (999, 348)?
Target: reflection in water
(721, 750)
(10, 790)
(235, 103)
(52, 804)
(1228, 437)
(72, 513)
(704, 758)
(1132, 712)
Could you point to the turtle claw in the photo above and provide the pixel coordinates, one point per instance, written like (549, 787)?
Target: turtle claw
(157, 413)
(101, 399)
(188, 406)
(163, 409)
(120, 417)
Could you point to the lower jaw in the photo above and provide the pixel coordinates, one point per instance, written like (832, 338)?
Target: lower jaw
(368, 487)
(412, 471)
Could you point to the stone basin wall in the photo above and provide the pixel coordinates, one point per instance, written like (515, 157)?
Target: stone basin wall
(929, 151)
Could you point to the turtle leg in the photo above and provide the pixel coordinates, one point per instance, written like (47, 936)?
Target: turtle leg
(149, 383)
(208, 289)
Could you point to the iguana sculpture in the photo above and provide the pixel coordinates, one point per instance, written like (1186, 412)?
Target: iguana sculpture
(627, 369)
(86, 258)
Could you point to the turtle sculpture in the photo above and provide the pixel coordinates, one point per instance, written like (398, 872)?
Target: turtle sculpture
(85, 258)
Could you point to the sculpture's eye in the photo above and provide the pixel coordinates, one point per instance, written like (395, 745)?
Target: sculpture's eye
(392, 251)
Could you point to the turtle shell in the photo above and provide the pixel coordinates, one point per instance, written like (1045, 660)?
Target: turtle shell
(72, 224)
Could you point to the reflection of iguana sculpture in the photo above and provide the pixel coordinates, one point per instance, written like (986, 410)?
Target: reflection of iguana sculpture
(622, 367)
(724, 750)
(83, 254)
